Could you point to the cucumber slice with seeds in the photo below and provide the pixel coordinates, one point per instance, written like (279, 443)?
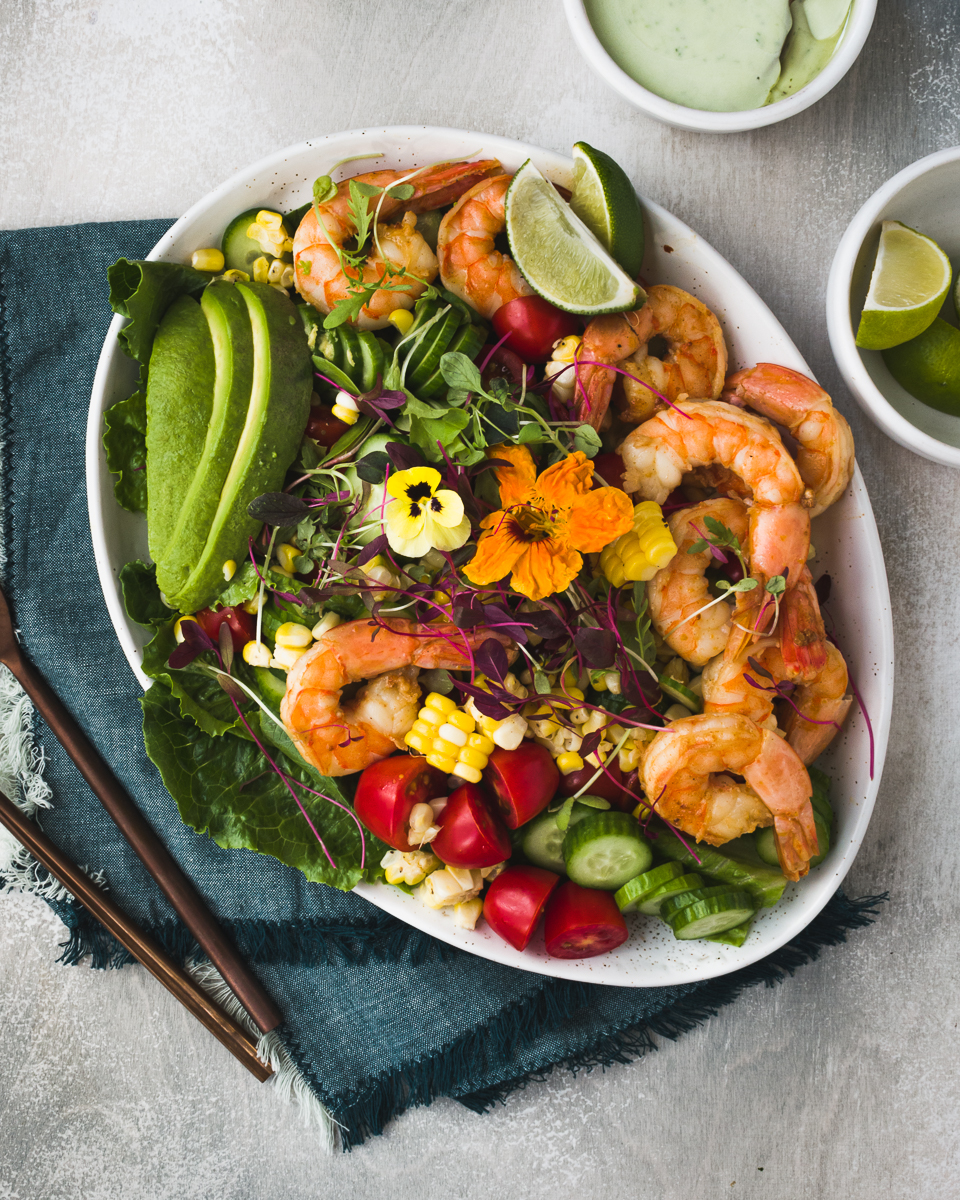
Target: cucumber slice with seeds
(682, 883)
(681, 693)
(635, 889)
(606, 850)
(716, 914)
(542, 839)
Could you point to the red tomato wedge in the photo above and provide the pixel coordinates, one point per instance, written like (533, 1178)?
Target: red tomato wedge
(532, 325)
(324, 427)
(515, 902)
(389, 789)
(523, 781)
(582, 922)
(470, 835)
(242, 626)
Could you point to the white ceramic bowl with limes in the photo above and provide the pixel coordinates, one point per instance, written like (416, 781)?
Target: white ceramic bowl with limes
(925, 196)
(699, 120)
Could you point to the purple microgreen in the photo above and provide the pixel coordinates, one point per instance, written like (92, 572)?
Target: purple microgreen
(590, 744)
(491, 660)
(225, 638)
(759, 668)
(377, 402)
(194, 643)
(232, 688)
(278, 508)
(597, 647)
(379, 545)
(404, 457)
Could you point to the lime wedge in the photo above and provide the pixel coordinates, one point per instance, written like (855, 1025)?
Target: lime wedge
(604, 200)
(558, 255)
(928, 366)
(909, 284)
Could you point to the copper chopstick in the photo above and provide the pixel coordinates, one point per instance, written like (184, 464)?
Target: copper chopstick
(131, 822)
(144, 949)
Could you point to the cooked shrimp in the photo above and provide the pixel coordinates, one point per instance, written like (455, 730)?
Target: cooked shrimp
(470, 264)
(825, 454)
(340, 737)
(681, 589)
(319, 276)
(803, 638)
(694, 364)
(726, 688)
(683, 777)
(701, 433)
(824, 699)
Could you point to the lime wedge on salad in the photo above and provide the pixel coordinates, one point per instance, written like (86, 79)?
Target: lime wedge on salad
(604, 200)
(558, 255)
(909, 284)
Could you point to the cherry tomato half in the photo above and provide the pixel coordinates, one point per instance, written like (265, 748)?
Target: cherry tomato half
(242, 625)
(582, 922)
(389, 789)
(470, 835)
(523, 781)
(515, 901)
(324, 427)
(605, 786)
(531, 326)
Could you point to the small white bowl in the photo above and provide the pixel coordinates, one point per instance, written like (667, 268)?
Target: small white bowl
(925, 196)
(701, 120)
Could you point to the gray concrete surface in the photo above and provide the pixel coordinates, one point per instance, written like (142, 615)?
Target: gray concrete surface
(841, 1083)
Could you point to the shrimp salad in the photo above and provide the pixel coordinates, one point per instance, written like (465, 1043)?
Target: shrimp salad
(504, 605)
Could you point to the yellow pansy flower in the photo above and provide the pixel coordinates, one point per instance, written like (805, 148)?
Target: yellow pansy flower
(421, 517)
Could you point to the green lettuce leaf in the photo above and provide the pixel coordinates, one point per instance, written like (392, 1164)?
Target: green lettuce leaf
(141, 596)
(226, 788)
(143, 291)
(200, 696)
(125, 442)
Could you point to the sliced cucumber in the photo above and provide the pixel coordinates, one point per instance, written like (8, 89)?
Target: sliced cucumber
(606, 850)
(469, 340)
(635, 889)
(240, 251)
(683, 899)
(542, 840)
(732, 937)
(715, 914)
(762, 882)
(425, 359)
(650, 904)
(766, 842)
(681, 693)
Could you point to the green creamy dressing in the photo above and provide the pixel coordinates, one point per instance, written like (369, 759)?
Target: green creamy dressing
(719, 56)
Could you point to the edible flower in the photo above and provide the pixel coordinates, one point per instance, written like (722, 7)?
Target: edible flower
(419, 517)
(546, 522)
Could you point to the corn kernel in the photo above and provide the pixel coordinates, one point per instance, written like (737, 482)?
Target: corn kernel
(467, 914)
(178, 632)
(286, 657)
(469, 756)
(346, 415)
(430, 716)
(293, 636)
(286, 279)
(275, 272)
(477, 741)
(510, 732)
(235, 276)
(269, 219)
(402, 320)
(569, 762)
(443, 763)
(444, 748)
(566, 349)
(417, 741)
(452, 735)
(256, 654)
(439, 703)
(462, 720)
(325, 624)
(207, 260)
(229, 569)
(345, 400)
(287, 555)
(467, 773)
(261, 269)
(489, 724)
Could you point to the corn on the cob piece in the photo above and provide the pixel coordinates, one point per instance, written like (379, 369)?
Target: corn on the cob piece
(445, 735)
(640, 554)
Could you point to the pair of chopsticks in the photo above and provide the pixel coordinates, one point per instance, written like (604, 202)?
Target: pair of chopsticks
(178, 889)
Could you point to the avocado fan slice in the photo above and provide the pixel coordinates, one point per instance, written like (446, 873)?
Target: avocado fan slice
(180, 387)
(232, 337)
(276, 418)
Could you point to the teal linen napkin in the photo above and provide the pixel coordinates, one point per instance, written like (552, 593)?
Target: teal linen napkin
(378, 1017)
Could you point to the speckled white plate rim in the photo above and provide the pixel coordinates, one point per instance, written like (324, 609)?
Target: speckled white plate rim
(651, 957)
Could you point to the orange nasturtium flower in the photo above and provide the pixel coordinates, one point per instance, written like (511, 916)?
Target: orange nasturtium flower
(545, 523)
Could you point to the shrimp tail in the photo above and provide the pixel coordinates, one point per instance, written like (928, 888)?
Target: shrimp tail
(803, 639)
(796, 839)
(608, 339)
(446, 182)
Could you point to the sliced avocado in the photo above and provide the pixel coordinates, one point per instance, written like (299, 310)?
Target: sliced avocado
(179, 401)
(272, 432)
(232, 337)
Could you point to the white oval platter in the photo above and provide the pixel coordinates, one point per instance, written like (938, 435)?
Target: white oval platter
(846, 539)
